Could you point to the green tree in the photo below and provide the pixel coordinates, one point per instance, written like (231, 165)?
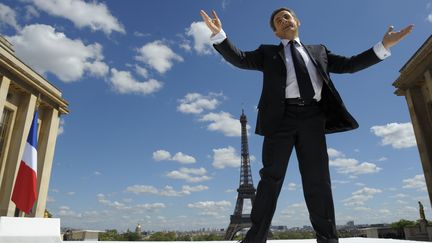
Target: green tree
(109, 235)
(163, 236)
(401, 224)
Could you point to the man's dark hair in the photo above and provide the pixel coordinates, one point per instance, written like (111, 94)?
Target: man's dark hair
(277, 11)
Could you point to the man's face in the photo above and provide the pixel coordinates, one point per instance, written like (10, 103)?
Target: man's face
(286, 25)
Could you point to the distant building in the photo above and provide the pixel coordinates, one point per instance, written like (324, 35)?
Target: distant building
(82, 235)
(21, 88)
(350, 223)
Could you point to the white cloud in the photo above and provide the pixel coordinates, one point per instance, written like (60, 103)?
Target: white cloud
(210, 205)
(225, 157)
(398, 135)
(8, 17)
(195, 103)
(189, 175)
(359, 197)
(183, 158)
(167, 191)
(46, 50)
(91, 14)
(124, 83)
(151, 206)
(60, 130)
(292, 186)
(223, 122)
(417, 182)
(66, 211)
(141, 71)
(348, 165)
(332, 153)
(179, 157)
(142, 189)
(186, 190)
(31, 12)
(158, 56)
(201, 36)
(161, 155)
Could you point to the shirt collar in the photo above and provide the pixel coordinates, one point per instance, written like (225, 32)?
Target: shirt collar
(286, 41)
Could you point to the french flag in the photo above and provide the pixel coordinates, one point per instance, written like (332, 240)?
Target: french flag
(24, 193)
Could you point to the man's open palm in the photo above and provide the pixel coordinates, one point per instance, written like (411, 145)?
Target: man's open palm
(214, 24)
(392, 37)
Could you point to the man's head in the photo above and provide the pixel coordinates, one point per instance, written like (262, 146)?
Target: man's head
(284, 23)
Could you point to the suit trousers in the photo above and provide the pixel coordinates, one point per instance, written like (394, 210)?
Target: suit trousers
(302, 128)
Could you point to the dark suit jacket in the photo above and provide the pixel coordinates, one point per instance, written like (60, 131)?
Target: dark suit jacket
(270, 59)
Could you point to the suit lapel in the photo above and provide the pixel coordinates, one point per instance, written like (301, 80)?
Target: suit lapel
(310, 51)
(281, 52)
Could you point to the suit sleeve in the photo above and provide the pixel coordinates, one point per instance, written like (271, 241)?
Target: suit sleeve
(252, 60)
(342, 64)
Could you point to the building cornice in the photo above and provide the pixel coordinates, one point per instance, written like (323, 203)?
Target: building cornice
(412, 73)
(22, 71)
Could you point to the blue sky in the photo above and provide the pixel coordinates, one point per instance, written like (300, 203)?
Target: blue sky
(153, 136)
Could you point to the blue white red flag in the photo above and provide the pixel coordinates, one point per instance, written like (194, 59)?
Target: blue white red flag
(24, 193)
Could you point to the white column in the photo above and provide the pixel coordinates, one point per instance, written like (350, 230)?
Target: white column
(46, 146)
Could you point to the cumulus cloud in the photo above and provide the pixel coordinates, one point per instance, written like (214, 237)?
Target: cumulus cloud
(46, 50)
(225, 157)
(189, 174)
(223, 122)
(157, 55)
(167, 191)
(142, 189)
(102, 199)
(332, 153)
(201, 37)
(60, 130)
(398, 135)
(183, 158)
(360, 197)
(91, 14)
(141, 71)
(417, 182)
(67, 211)
(160, 155)
(8, 17)
(124, 83)
(195, 103)
(292, 186)
(211, 208)
(348, 165)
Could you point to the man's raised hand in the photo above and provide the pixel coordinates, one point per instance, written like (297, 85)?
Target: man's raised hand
(391, 37)
(214, 24)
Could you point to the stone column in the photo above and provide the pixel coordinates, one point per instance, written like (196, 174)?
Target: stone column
(46, 145)
(4, 88)
(18, 140)
(421, 116)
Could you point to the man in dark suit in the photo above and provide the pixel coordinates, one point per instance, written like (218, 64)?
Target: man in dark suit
(298, 105)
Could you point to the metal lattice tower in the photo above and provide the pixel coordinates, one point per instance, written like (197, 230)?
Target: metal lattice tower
(246, 189)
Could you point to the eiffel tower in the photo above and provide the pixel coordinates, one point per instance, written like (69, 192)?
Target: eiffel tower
(246, 190)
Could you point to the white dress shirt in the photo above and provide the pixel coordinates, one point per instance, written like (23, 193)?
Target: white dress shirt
(292, 89)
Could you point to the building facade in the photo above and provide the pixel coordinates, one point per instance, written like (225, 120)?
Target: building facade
(22, 91)
(415, 83)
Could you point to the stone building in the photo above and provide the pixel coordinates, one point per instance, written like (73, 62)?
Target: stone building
(415, 83)
(21, 88)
